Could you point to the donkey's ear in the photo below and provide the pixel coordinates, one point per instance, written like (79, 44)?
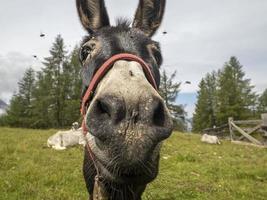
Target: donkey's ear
(93, 14)
(149, 15)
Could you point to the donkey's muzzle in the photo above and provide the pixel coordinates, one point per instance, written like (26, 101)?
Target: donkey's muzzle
(127, 106)
(110, 113)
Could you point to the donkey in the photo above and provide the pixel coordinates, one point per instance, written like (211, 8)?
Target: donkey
(126, 118)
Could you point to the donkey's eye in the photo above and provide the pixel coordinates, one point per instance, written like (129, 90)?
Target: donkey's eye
(85, 52)
(154, 51)
(157, 56)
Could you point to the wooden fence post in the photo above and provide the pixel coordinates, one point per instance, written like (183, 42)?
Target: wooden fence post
(250, 138)
(264, 124)
(230, 119)
(264, 119)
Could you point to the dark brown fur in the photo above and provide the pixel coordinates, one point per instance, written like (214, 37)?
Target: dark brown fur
(129, 180)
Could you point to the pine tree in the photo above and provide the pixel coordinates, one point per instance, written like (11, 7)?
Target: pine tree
(53, 99)
(199, 117)
(20, 109)
(211, 81)
(235, 96)
(169, 91)
(72, 89)
(206, 106)
(58, 88)
(15, 112)
(26, 86)
(50, 91)
(224, 94)
(262, 107)
(42, 100)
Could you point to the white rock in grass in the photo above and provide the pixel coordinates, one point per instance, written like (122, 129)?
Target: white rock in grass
(210, 139)
(64, 139)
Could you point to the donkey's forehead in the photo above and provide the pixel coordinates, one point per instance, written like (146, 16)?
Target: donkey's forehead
(121, 33)
(117, 30)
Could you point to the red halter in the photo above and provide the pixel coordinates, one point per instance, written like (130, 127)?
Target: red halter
(101, 72)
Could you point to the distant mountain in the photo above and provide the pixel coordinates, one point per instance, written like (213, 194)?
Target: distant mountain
(3, 107)
(3, 104)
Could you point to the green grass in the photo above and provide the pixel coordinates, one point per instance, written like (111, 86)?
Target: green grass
(188, 170)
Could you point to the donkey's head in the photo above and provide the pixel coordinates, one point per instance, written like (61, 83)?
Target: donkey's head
(127, 119)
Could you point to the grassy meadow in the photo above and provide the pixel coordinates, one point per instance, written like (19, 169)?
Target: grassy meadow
(189, 169)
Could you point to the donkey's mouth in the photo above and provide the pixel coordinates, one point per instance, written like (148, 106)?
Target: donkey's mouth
(139, 178)
(118, 170)
(134, 178)
(137, 175)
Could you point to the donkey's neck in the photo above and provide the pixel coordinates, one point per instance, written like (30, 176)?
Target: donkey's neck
(113, 191)
(123, 192)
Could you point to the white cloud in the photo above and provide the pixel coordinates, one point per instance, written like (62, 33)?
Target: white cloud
(202, 35)
(12, 68)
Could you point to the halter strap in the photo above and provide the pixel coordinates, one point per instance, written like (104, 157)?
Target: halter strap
(101, 72)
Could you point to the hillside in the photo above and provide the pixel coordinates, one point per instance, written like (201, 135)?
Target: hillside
(189, 169)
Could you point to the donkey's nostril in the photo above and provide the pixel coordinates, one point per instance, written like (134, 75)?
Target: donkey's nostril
(104, 114)
(159, 114)
(111, 108)
(103, 108)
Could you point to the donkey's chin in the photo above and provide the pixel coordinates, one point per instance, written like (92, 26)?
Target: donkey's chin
(134, 175)
(121, 171)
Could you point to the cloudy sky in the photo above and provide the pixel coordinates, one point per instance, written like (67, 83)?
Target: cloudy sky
(202, 35)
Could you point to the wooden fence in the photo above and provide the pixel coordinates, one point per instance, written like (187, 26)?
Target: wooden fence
(242, 130)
